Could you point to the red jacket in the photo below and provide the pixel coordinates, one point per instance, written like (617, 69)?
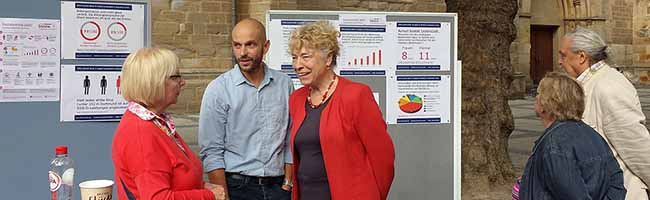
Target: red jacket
(357, 151)
(151, 166)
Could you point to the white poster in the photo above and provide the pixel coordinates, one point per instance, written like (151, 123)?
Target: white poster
(29, 60)
(278, 56)
(91, 93)
(418, 99)
(96, 30)
(363, 42)
(421, 46)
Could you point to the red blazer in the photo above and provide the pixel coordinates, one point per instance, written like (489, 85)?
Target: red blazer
(151, 166)
(357, 150)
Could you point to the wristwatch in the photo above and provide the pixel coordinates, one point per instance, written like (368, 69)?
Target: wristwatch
(287, 183)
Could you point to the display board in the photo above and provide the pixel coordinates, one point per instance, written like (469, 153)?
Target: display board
(409, 60)
(30, 130)
(103, 33)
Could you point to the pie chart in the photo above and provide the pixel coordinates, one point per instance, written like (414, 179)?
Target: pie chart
(410, 103)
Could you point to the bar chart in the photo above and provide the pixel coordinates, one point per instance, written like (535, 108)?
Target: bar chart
(371, 59)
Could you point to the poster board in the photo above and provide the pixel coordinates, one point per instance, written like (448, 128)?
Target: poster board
(98, 36)
(409, 60)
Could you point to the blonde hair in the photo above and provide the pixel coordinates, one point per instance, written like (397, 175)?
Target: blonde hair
(144, 74)
(320, 35)
(561, 96)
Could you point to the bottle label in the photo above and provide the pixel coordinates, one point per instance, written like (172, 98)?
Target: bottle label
(55, 181)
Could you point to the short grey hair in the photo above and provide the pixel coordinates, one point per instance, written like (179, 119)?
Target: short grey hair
(590, 42)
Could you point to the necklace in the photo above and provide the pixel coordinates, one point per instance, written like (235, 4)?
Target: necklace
(324, 94)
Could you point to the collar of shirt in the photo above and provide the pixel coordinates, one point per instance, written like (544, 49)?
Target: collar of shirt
(239, 78)
(147, 115)
(587, 74)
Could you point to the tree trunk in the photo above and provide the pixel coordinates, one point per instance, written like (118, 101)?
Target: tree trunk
(486, 29)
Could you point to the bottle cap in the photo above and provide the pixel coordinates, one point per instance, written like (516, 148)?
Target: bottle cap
(61, 150)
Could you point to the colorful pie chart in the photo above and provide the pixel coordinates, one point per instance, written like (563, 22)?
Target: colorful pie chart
(410, 103)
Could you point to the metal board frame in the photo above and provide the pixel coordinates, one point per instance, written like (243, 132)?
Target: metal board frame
(428, 156)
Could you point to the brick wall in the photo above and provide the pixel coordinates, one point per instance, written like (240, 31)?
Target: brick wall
(641, 34)
(621, 22)
(198, 31)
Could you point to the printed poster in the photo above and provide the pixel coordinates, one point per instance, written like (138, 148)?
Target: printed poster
(422, 46)
(29, 60)
(95, 30)
(91, 93)
(418, 99)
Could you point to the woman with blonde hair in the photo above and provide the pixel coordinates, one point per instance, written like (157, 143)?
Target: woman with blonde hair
(570, 160)
(151, 160)
(340, 145)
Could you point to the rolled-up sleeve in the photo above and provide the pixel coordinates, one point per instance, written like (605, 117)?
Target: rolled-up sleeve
(212, 129)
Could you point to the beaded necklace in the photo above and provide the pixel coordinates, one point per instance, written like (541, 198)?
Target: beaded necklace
(324, 94)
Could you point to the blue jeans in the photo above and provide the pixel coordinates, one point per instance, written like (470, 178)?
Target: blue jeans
(249, 189)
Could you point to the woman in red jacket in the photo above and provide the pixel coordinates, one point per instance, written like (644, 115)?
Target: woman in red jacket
(151, 160)
(340, 145)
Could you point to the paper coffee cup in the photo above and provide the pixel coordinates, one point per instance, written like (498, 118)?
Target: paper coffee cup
(96, 190)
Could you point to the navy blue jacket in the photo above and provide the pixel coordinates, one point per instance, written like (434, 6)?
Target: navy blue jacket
(571, 161)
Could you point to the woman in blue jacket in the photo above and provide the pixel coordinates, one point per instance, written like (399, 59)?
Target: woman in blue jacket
(570, 160)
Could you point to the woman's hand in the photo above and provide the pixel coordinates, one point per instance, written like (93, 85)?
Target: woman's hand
(217, 190)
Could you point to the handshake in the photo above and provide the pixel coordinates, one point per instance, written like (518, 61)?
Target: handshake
(218, 191)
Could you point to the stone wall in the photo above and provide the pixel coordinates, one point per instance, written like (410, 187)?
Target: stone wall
(641, 34)
(640, 53)
(198, 31)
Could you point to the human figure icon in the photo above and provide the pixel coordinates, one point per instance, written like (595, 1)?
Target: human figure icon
(86, 85)
(102, 84)
(117, 84)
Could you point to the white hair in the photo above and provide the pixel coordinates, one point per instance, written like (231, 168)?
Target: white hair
(590, 42)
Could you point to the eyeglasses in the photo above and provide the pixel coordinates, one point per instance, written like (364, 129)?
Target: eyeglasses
(176, 77)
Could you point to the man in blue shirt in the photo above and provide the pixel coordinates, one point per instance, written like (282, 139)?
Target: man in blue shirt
(244, 122)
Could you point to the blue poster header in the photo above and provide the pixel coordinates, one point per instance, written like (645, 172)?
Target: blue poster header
(97, 117)
(418, 25)
(286, 67)
(362, 29)
(101, 55)
(418, 67)
(98, 68)
(294, 22)
(363, 73)
(418, 120)
(418, 78)
(103, 6)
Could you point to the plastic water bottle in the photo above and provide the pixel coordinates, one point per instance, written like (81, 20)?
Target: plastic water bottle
(61, 175)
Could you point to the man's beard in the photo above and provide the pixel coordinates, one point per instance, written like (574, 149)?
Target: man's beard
(254, 64)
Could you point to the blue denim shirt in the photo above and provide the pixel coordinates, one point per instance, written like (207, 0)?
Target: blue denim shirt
(244, 129)
(571, 161)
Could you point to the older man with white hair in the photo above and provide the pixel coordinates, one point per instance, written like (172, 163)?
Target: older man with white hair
(612, 107)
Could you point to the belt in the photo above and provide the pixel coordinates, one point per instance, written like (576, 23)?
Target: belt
(256, 179)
